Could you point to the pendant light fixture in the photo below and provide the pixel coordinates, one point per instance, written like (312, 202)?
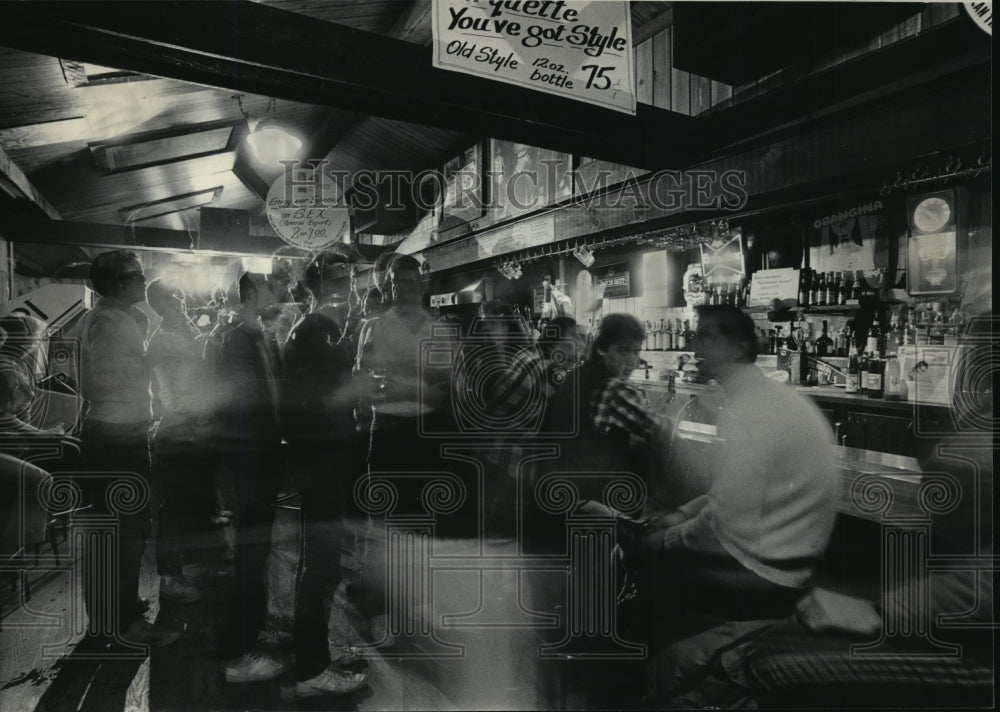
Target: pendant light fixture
(268, 140)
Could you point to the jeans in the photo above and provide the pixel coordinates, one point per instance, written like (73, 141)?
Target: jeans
(320, 472)
(116, 448)
(185, 483)
(258, 476)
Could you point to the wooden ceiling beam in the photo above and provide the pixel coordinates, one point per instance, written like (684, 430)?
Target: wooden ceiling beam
(16, 138)
(294, 57)
(656, 25)
(11, 173)
(41, 230)
(414, 24)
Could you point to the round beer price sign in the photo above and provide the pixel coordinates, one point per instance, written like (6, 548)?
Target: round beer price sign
(306, 209)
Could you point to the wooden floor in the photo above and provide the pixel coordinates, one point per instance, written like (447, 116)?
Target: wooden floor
(496, 668)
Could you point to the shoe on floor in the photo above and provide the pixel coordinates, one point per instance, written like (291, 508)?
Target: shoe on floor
(178, 589)
(142, 632)
(254, 666)
(345, 654)
(331, 681)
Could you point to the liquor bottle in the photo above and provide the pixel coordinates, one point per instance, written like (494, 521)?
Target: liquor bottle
(772, 342)
(724, 294)
(895, 386)
(874, 338)
(863, 373)
(688, 334)
(853, 374)
(856, 286)
(832, 290)
(935, 336)
(840, 343)
(847, 288)
(876, 377)
(843, 291)
(893, 339)
(804, 287)
(824, 344)
(790, 343)
(820, 291)
(668, 336)
(779, 339)
(680, 343)
(805, 364)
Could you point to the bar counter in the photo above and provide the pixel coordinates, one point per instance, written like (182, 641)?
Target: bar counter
(865, 474)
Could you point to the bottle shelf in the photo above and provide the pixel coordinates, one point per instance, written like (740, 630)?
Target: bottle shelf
(838, 309)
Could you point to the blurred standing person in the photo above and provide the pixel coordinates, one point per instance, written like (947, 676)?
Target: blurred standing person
(380, 276)
(316, 408)
(248, 434)
(179, 465)
(115, 435)
(395, 396)
(372, 307)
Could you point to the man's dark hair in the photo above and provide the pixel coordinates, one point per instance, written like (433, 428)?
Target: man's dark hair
(616, 329)
(733, 324)
(106, 270)
(247, 288)
(405, 263)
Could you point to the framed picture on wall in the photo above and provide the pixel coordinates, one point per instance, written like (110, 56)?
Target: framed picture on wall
(465, 193)
(526, 178)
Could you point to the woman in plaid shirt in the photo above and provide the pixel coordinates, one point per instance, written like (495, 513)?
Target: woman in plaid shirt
(617, 428)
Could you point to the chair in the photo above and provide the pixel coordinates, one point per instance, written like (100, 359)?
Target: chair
(23, 518)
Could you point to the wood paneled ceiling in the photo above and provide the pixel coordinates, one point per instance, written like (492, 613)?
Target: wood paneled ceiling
(96, 149)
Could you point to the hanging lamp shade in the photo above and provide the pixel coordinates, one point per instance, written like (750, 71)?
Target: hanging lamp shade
(270, 143)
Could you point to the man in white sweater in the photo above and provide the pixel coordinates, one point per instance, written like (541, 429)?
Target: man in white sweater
(749, 547)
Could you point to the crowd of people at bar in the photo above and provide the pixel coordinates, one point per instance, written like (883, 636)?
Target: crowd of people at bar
(319, 402)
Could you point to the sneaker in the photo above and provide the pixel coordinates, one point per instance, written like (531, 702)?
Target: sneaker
(254, 667)
(142, 632)
(331, 682)
(345, 654)
(178, 589)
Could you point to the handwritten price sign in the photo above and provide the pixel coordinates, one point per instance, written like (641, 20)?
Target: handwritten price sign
(579, 50)
(306, 210)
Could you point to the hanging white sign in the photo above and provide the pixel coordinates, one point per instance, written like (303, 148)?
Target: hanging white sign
(579, 50)
(306, 210)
